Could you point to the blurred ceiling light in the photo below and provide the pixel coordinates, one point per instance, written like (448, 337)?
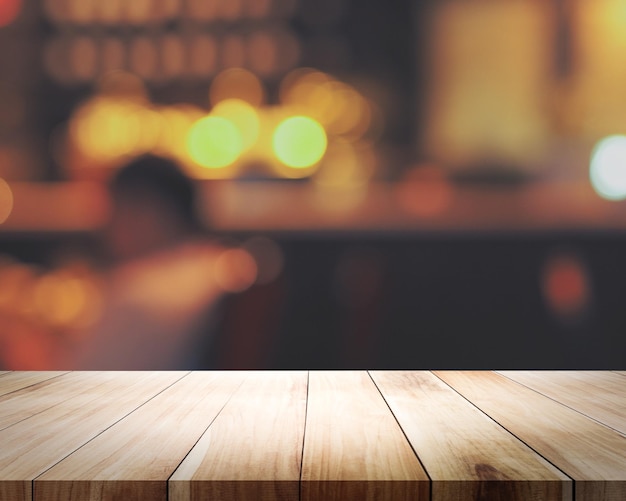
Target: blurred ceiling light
(299, 142)
(237, 83)
(6, 201)
(608, 168)
(243, 116)
(203, 56)
(214, 142)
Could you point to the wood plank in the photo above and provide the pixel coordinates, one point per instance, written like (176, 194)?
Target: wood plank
(3, 373)
(14, 381)
(22, 404)
(590, 453)
(623, 373)
(133, 459)
(353, 446)
(466, 454)
(248, 455)
(601, 395)
(35, 444)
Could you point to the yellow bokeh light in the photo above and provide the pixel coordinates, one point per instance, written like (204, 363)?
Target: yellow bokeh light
(214, 142)
(299, 142)
(107, 129)
(243, 116)
(6, 201)
(237, 83)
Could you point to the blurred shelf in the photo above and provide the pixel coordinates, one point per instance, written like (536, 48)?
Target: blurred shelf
(279, 206)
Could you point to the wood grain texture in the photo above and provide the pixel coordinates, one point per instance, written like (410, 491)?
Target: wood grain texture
(253, 449)
(353, 447)
(601, 395)
(587, 451)
(33, 399)
(466, 454)
(37, 443)
(133, 459)
(14, 381)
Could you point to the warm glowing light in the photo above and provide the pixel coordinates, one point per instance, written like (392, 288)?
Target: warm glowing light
(105, 129)
(9, 9)
(6, 201)
(608, 168)
(214, 142)
(243, 116)
(235, 270)
(346, 165)
(299, 142)
(237, 83)
(565, 285)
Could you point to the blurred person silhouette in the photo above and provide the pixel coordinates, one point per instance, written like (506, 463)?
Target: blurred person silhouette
(166, 279)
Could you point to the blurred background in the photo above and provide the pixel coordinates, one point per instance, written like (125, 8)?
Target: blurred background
(380, 184)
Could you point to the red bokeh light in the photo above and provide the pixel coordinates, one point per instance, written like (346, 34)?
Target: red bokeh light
(9, 9)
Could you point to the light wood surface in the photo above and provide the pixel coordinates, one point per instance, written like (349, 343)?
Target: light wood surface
(35, 444)
(252, 451)
(347, 435)
(353, 447)
(14, 381)
(466, 454)
(587, 451)
(599, 395)
(135, 457)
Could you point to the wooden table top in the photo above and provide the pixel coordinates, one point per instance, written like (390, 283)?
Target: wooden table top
(347, 435)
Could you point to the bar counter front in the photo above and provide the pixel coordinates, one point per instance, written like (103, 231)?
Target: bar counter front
(316, 435)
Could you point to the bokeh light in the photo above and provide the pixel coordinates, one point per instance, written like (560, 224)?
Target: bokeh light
(243, 116)
(235, 270)
(6, 200)
(608, 168)
(299, 142)
(214, 142)
(566, 285)
(9, 10)
(237, 83)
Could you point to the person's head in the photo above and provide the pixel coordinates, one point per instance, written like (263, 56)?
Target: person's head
(153, 207)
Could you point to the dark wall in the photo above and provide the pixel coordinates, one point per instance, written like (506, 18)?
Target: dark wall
(438, 302)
